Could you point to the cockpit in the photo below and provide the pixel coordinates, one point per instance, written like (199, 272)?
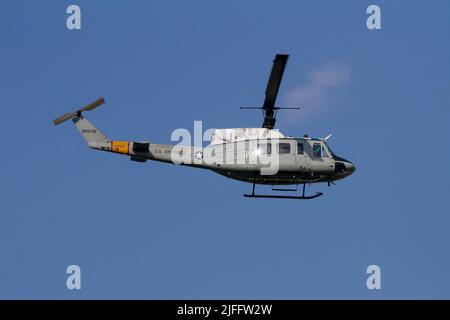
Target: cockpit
(318, 148)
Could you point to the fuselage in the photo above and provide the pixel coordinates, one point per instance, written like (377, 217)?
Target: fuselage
(252, 155)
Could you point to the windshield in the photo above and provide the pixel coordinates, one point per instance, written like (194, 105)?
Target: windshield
(329, 149)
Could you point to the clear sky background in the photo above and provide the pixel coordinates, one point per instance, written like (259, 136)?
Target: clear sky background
(160, 231)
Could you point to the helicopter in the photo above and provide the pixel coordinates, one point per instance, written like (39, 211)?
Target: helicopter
(261, 155)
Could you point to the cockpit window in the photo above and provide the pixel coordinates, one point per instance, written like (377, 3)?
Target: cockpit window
(284, 148)
(317, 150)
(324, 152)
(300, 148)
(329, 149)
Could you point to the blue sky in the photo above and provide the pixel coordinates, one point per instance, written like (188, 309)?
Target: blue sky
(152, 231)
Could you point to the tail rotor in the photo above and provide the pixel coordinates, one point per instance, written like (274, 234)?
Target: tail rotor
(78, 113)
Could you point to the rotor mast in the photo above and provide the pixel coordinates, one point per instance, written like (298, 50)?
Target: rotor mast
(273, 85)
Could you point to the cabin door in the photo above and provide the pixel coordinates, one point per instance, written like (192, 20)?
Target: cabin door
(286, 153)
(303, 159)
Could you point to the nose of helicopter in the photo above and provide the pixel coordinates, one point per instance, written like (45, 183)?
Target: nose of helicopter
(343, 168)
(350, 167)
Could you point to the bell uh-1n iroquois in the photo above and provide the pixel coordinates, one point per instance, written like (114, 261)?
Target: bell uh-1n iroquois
(255, 155)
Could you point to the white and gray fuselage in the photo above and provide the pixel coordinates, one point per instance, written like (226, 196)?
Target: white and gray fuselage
(267, 159)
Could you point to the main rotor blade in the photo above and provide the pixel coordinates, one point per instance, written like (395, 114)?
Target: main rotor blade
(93, 105)
(273, 85)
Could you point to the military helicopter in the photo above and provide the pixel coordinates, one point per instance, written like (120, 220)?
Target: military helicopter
(254, 155)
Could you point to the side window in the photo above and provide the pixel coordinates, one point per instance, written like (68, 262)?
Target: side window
(284, 148)
(324, 152)
(317, 148)
(300, 148)
(264, 148)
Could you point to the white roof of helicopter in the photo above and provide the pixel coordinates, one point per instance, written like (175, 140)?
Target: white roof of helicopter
(219, 136)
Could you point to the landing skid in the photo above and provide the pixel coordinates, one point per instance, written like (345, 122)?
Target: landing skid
(318, 194)
(273, 196)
